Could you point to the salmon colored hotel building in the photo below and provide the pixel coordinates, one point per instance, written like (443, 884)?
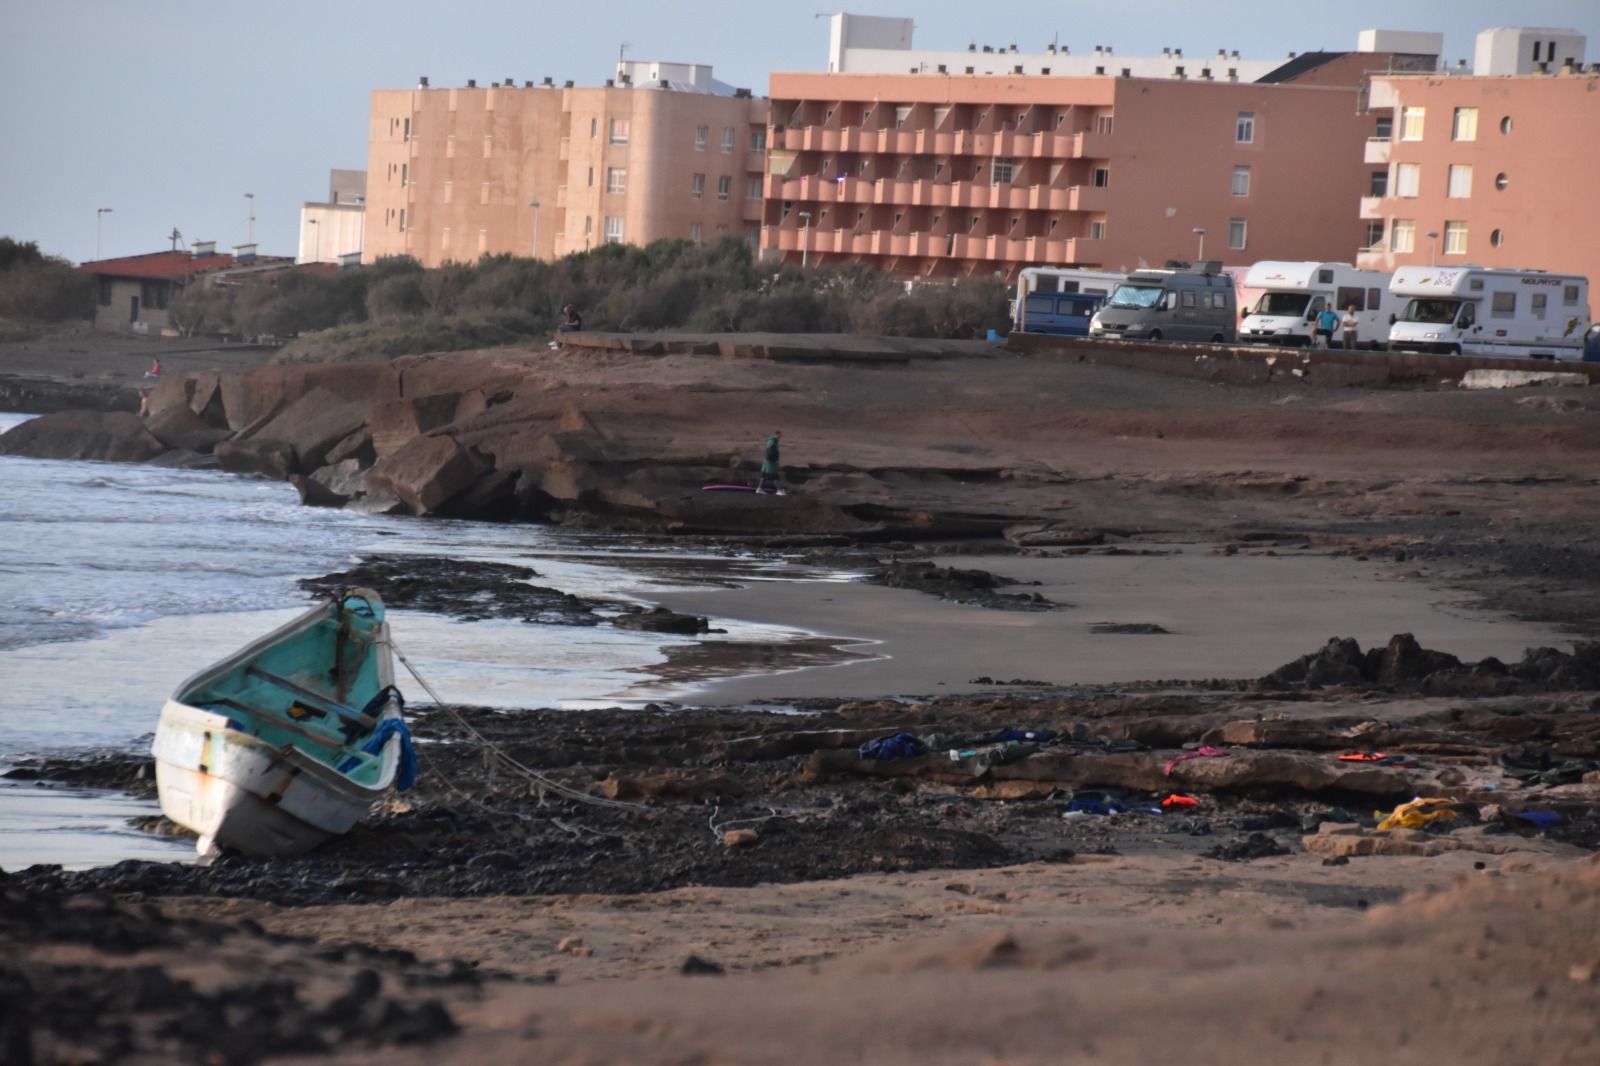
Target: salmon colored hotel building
(953, 170)
(663, 150)
(1499, 168)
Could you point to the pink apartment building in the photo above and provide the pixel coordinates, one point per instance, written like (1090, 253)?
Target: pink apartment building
(1086, 160)
(1498, 168)
(663, 150)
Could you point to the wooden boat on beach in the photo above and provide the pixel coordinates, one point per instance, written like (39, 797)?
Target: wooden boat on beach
(291, 739)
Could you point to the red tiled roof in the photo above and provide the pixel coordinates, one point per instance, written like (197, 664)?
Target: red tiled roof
(166, 266)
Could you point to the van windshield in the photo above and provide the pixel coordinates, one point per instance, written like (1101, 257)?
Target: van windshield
(1136, 297)
(1283, 303)
(1438, 312)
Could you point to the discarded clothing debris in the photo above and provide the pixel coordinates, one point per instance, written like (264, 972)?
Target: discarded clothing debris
(1426, 813)
(1540, 819)
(1378, 758)
(1179, 801)
(899, 746)
(1203, 752)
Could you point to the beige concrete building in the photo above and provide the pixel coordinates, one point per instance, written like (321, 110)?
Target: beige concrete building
(1496, 168)
(663, 150)
(330, 232)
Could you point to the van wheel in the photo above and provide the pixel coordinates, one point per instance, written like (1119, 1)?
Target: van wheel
(1454, 349)
(1216, 338)
(1155, 334)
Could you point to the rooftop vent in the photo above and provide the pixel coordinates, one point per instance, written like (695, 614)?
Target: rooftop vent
(969, 70)
(422, 82)
(244, 251)
(741, 94)
(1127, 72)
(551, 82)
(611, 83)
(943, 69)
(568, 84)
(1044, 70)
(1017, 69)
(529, 83)
(472, 83)
(1177, 72)
(1222, 53)
(1235, 53)
(1233, 73)
(988, 49)
(201, 248)
(1166, 53)
(973, 47)
(1099, 70)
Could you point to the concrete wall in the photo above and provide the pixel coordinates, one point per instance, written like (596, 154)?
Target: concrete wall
(328, 231)
(1545, 218)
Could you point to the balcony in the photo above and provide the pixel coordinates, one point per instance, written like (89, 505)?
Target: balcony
(1086, 198)
(751, 211)
(1372, 207)
(789, 140)
(1377, 151)
(828, 139)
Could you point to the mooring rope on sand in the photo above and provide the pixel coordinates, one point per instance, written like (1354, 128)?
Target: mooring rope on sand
(491, 748)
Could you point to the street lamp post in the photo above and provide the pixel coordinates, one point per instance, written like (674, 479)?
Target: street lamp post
(1433, 247)
(1200, 256)
(99, 214)
(317, 256)
(805, 239)
(535, 205)
(250, 222)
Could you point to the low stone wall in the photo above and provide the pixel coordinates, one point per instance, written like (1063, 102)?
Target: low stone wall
(1252, 365)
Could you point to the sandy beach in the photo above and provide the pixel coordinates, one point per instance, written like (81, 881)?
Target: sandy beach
(1138, 816)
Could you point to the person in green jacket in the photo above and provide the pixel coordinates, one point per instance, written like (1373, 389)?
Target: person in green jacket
(769, 467)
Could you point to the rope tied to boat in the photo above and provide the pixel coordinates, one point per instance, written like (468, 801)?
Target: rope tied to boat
(495, 751)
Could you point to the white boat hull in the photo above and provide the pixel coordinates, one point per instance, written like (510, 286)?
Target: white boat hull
(236, 791)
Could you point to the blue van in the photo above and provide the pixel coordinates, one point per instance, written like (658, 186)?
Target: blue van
(1064, 314)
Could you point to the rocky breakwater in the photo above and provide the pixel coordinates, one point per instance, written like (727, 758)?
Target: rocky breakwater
(502, 435)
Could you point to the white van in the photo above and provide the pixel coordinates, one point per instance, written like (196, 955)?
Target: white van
(1293, 293)
(1471, 310)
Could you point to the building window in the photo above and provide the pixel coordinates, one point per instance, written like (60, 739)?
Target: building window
(724, 187)
(758, 140)
(1504, 305)
(1455, 238)
(1495, 237)
(1103, 123)
(1097, 231)
(1403, 235)
(1411, 123)
(1004, 171)
(405, 174)
(1100, 177)
(1236, 233)
(619, 131)
(1501, 181)
(727, 140)
(613, 229)
(752, 188)
(1383, 128)
(1505, 124)
(1380, 183)
(1460, 181)
(1374, 235)
(1244, 128)
(1569, 295)
(694, 232)
(1407, 178)
(407, 135)
(697, 186)
(594, 128)
(1241, 181)
(591, 177)
(588, 225)
(1464, 127)
(616, 179)
(700, 135)
(402, 220)
(105, 292)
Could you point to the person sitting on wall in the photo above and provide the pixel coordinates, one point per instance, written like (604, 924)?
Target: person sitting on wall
(155, 369)
(572, 322)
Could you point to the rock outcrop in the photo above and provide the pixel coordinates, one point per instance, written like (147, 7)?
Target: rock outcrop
(108, 436)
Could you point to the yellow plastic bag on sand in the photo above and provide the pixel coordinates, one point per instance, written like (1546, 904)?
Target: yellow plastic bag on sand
(1419, 812)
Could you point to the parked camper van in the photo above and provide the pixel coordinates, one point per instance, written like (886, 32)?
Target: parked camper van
(1059, 300)
(1293, 293)
(1496, 313)
(1172, 305)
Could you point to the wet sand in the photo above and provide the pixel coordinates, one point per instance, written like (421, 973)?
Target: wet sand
(1227, 616)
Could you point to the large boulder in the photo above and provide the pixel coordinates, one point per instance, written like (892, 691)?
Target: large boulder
(425, 473)
(344, 479)
(313, 424)
(178, 426)
(109, 436)
(399, 422)
(265, 458)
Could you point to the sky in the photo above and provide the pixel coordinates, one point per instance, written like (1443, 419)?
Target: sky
(169, 111)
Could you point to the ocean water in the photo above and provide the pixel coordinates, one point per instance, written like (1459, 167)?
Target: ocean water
(118, 581)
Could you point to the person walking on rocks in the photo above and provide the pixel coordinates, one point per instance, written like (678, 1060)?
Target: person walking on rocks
(1350, 324)
(769, 468)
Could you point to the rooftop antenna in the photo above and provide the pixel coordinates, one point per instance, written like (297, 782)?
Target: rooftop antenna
(622, 51)
(174, 237)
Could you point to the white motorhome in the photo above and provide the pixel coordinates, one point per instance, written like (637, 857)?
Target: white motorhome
(1471, 310)
(1293, 293)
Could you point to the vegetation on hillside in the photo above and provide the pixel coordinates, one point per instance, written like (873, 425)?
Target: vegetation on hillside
(35, 287)
(397, 307)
